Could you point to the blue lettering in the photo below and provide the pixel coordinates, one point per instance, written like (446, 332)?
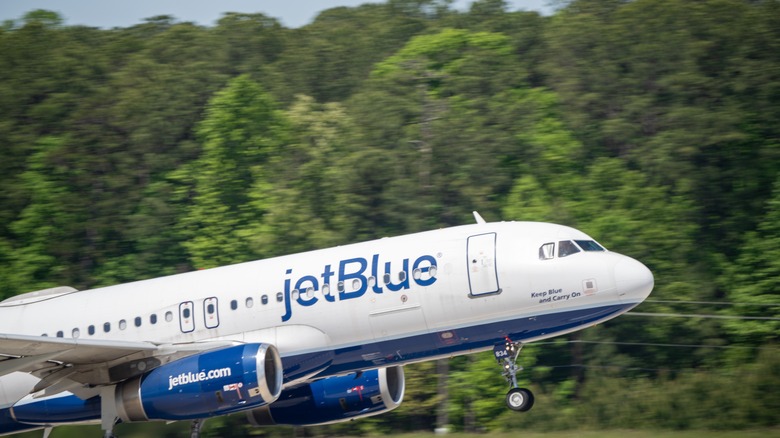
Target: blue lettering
(287, 304)
(303, 298)
(326, 274)
(352, 275)
(403, 276)
(357, 275)
(425, 270)
(374, 266)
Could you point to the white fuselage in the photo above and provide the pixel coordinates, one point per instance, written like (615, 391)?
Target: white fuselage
(387, 301)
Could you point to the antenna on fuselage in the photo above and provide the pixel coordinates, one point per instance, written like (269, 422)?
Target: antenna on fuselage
(479, 218)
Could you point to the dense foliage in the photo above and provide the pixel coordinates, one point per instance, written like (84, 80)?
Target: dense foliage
(653, 125)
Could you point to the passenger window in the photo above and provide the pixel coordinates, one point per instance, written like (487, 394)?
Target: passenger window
(76, 333)
(567, 248)
(91, 330)
(107, 327)
(60, 334)
(547, 251)
(122, 324)
(234, 305)
(264, 299)
(138, 321)
(153, 318)
(249, 303)
(279, 297)
(169, 316)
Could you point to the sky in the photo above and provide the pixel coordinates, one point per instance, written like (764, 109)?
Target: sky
(125, 13)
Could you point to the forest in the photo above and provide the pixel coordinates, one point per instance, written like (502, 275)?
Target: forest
(652, 125)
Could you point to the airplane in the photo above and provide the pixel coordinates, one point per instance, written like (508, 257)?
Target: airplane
(306, 339)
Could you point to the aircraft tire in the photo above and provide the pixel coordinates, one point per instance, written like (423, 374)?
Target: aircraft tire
(519, 399)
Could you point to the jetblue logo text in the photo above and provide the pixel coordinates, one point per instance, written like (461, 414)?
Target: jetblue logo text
(187, 378)
(354, 277)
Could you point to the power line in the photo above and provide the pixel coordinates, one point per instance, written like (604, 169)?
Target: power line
(713, 303)
(625, 368)
(598, 366)
(654, 344)
(700, 315)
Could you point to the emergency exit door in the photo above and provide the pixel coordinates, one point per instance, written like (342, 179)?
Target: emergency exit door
(210, 313)
(483, 273)
(186, 317)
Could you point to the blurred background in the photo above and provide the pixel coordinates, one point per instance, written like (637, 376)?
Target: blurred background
(652, 125)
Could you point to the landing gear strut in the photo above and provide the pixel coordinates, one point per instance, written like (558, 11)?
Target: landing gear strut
(195, 428)
(517, 399)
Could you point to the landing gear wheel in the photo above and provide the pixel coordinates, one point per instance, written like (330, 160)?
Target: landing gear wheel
(519, 399)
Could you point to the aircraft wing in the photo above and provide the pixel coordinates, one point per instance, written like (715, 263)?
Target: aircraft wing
(78, 351)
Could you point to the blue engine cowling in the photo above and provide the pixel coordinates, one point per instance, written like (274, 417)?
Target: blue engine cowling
(204, 385)
(334, 399)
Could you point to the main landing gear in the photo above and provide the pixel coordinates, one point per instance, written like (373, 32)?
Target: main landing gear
(517, 399)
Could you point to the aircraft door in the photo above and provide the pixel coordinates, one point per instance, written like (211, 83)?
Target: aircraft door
(186, 317)
(482, 271)
(211, 312)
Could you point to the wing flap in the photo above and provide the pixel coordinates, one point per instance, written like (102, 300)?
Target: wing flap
(75, 351)
(9, 366)
(30, 353)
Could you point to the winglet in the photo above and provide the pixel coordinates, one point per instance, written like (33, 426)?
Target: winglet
(478, 218)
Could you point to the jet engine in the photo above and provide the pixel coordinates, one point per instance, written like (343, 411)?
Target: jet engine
(334, 399)
(204, 385)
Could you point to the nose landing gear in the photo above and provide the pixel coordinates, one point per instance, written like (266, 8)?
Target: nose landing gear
(517, 399)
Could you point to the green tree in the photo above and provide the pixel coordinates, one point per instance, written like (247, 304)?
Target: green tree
(430, 109)
(686, 116)
(47, 228)
(46, 71)
(249, 42)
(753, 281)
(241, 131)
(309, 179)
(329, 58)
(156, 96)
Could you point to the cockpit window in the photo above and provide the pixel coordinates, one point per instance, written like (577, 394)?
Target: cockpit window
(589, 245)
(567, 248)
(547, 251)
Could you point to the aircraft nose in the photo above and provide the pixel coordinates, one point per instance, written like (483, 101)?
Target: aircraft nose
(633, 280)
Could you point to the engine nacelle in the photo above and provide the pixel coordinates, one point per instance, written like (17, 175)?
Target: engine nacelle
(334, 399)
(203, 385)
(207, 384)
